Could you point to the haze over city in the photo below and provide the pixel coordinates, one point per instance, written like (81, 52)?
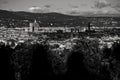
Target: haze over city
(72, 7)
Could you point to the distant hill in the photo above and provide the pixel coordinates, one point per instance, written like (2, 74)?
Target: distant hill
(58, 19)
(28, 15)
(45, 16)
(105, 15)
(46, 19)
(8, 14)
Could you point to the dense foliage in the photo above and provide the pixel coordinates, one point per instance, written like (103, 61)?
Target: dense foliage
(33, 60)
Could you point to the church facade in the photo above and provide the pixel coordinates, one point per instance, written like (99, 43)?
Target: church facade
(33, 27)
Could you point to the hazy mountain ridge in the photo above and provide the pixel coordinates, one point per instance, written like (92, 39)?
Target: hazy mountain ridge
(29, 15)
(56, 19)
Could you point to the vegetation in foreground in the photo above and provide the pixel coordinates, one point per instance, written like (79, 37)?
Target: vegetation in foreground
(29, 61)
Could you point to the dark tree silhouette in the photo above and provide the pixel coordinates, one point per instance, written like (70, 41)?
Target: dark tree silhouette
(6, 70)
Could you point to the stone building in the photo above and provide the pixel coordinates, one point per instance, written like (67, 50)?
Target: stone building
(34, 27)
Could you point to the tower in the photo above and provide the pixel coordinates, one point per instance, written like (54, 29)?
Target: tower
(36, 26)
(31, 27)
(89, 25)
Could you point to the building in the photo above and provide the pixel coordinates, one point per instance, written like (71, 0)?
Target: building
(33, 27)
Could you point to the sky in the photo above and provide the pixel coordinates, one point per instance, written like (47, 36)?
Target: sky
(72, 7)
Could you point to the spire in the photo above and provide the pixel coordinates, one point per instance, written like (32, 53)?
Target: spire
(35, 21)
(35, 24)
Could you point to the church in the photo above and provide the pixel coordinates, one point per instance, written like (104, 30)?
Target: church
(33, 27)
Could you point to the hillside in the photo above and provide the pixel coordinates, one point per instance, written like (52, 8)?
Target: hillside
(56, 19)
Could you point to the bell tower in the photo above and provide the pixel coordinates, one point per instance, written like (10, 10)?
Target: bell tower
(36, 26)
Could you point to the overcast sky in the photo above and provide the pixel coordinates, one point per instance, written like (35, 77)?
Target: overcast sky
(74, 7)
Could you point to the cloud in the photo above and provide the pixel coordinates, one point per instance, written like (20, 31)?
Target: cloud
(2, 2)
(93, 12)
(107, 11)
(74, 6)
(34, 8)
(37, 9)
(111, 6)
(73, 12)
(116, 7)
(83, 4)
(47, 6)
(101, 4)
(80, 12)
(88, 13)
(101, 12)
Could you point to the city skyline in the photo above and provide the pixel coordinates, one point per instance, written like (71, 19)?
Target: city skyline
(72, 7)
